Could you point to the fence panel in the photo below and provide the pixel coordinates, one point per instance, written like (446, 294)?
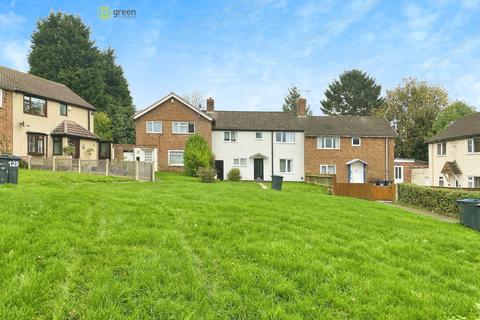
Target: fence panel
(64, 164)
(365, 191)
(320, 179)
(145, 171)
(41, 163)
(94, 166)
(122, 168)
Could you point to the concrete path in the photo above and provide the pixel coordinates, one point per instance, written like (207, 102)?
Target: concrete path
(264, 187)
(425, 213)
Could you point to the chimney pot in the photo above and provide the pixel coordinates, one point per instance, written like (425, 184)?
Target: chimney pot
(210, 105)
(301, 107)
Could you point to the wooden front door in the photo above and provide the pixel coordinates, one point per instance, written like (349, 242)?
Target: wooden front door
(76, 143)
(219, 167)
(258, 169)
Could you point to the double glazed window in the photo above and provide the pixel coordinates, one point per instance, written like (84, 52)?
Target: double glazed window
(356, 141)
(57, 146)
(36, 144)
(285, 137)
(230, 136)
(35, 106)
(240, 162)
(329, 143)
(154, 126)
(474, 182)
(327, 169)
(175, 157)
(259, 135)
(441, 149)
(104, 150)
(183, 127)
(63, 109)
(441, 182)
(474, 145)
(286, 165)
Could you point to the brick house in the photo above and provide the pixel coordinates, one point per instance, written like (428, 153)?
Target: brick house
(163, 128)
(356, 149)
(403, 169)
(39, 117)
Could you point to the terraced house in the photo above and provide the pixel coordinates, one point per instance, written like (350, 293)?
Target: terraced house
(39, 118)
(262, 144)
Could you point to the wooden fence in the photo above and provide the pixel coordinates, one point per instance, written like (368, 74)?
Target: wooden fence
(327, 180)
(366, 191)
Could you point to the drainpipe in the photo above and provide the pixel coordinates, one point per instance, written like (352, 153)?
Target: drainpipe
(272, 149)
(386, 159)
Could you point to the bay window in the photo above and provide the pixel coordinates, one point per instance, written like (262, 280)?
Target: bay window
(36, 144)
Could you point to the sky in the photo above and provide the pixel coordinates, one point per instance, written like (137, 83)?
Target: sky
(247, 53)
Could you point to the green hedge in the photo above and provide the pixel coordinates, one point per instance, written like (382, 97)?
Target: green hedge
(442, 201)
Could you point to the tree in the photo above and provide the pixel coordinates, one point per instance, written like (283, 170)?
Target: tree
(290, 104)
(195, 98)
(454, 111)
(355, 93)
(197, 154)
(412, 109)
(62, 51)
(103, 126)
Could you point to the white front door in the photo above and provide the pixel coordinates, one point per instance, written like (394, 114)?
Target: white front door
(357, 172)
(398, 174)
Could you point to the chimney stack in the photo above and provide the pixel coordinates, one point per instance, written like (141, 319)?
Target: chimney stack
(210, 105)
(301, 107)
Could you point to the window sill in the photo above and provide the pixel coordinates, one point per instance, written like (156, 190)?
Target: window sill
(183, 133)
(230, 141)
(154, 132)
(37, 115)
(175, 165)
(276, 142)
(328, 148)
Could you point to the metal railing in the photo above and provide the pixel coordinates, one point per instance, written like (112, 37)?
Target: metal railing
(137, 170)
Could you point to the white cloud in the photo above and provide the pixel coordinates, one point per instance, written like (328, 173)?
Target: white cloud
(11, 20)
(15, 52)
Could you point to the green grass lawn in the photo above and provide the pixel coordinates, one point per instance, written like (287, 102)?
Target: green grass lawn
(84, 247)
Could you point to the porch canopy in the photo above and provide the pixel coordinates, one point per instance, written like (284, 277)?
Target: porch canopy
(451, 168)
(356, 160)
(258, 156)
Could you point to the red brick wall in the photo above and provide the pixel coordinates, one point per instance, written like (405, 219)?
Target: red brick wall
(371, 150)
(169, 112)
(6, 122)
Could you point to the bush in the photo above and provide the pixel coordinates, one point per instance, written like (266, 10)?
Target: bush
(234, 174)
(206, 175)
(196, 155)
(442, 201)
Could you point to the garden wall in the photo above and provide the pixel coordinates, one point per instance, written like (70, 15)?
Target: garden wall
(438, 200)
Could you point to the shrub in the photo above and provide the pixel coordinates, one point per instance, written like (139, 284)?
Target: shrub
(442, 201)
(196, 155)
(234, 174)
(206, 175)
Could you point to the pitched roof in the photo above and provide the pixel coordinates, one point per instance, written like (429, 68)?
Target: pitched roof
(451, 167)
(348, 126)
(27, 83)
(466, 127)
(73, 129)
(168, 96)
(257, 120)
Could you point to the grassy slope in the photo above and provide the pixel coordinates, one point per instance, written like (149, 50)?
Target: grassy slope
(79, 246)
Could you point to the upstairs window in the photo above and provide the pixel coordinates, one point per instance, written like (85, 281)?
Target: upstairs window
(35, 106)
(63, 109)
(285, 137)
(36, 144)
(328, 143)
(230, 136)
(474, 145)
(441, 149)
(259, 135)
(356, 141)
(1, 98)
(183, 127)
(154, 126)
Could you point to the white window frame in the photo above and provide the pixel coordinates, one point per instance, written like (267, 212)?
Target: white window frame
(471, 143)
(283, 137)
(230, 133)
(148, 151)
(261, 136)
(240, 162)
(1, 98)
(153, 126)
(174, 164)
(326, 167)
(471, 182)
(335, 142)
(286, 165)
(359, 142)
(441, 149)
(441, 181)
(183, 124)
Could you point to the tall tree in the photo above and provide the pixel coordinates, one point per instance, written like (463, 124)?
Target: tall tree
(454, 111)
(62, 51)
(412, 109)
(290, 103)
(355, 93)
(103, 126)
